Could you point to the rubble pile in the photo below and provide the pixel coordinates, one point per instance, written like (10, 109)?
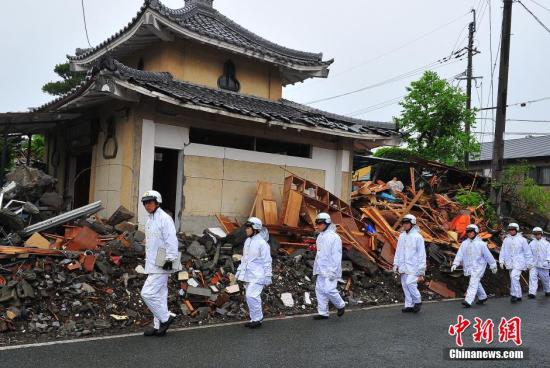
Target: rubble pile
(85, 283)
(77, 274)
(441, 219)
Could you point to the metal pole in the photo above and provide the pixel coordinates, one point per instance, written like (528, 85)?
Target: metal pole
(469, 71)
(497, 164)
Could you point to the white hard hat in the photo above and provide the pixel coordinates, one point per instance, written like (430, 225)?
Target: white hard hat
(323, 218)
(537, 230)
(409, 218)
(151, 195)
(255, 223)
(473, 227)
(513, 225)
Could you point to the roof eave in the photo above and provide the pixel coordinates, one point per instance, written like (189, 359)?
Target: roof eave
(162, 28)
(268, 122)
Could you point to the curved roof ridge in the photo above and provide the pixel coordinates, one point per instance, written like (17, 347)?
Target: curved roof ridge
(195, 17)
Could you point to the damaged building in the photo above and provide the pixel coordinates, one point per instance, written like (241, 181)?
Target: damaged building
(189, 103)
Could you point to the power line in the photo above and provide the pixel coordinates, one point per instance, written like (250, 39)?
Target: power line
(512, 133)
(85, 25)
(522, 104)
(383, 104)
(534, 16)
(380, 56)
(542, 6)
(520, 120)
(434, 65)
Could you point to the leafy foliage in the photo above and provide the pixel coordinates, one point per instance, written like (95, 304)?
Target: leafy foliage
(432, 120)
(69, 80)
(394, 153)
(476, 199)
(523, 191)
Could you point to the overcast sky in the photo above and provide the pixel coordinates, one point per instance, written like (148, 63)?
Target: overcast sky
(371, 42)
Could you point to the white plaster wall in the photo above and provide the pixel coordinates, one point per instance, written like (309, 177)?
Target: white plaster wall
(165, 136)
(333, 162)
(321, 158)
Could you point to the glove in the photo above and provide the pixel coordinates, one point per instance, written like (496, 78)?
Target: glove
(494, 270)
(502, 265)
(167, 266)
(453, 268)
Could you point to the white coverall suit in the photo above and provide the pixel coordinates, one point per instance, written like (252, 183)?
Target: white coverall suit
(516, 255)
(160, 232)
(410, 260)
(541, 261)
(328, 268)
(475, 256)
(255, 272)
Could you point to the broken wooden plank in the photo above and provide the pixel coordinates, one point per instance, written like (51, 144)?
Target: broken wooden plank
(270, 212)
(408, 208)
(441, 289)
(7, 250)
(293, 206)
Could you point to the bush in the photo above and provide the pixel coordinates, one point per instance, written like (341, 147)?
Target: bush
(522, 190)
(475, 199)
(394, 153)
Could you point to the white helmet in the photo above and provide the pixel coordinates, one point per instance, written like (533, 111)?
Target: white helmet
(323, 218)
(255, 223)
(151, 195)
(409, 218)
(537, 230)
(472, 227)
(513, 225)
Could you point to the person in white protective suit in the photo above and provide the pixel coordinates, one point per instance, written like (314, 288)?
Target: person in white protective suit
(474, 255)
(161, 260)
(327, 267)
(515, 256)
(540, 248)
(255, 269)
(410, 263)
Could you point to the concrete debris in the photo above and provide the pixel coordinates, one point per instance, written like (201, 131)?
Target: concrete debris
(307, 298)
(88, 281)
(287, 300)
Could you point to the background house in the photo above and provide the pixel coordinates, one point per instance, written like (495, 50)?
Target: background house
(189, 103)
(533, 151)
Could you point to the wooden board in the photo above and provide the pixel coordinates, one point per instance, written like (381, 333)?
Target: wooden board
(270, 212)
(292, 211)
(37, 241)
(264, 190)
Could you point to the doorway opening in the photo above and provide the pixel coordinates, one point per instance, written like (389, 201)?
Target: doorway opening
(165, 178)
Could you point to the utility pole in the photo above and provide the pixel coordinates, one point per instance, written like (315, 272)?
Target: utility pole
(469, 71)
(497, 165)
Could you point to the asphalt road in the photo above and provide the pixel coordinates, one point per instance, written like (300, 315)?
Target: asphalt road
(381, 337)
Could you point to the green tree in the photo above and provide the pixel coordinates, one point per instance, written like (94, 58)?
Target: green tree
(69, 80)
(432, 120)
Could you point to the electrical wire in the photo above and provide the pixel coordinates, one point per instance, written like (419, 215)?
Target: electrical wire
(522, 120)
(85, 24)
(534, 16)
(438, 63)
(542, 6)
(383, 104)
(380, 56)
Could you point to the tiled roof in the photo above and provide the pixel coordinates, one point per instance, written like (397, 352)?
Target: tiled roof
(199, 17)
(528, 147)
(282, 110)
